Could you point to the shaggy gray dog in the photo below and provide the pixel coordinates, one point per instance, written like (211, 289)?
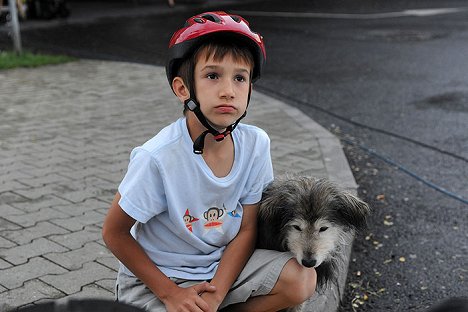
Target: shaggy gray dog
(313, 219)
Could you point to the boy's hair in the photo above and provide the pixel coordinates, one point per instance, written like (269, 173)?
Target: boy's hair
(217, 49)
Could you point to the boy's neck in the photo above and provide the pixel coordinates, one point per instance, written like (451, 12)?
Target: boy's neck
(219, 156)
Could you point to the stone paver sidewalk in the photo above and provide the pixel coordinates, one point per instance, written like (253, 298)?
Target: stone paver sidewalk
(66, 132)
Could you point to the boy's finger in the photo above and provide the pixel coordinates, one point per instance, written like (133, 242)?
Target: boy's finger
(204, 287)
(202, 305)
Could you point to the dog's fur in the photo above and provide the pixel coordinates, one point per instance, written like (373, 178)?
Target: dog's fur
(313, 219)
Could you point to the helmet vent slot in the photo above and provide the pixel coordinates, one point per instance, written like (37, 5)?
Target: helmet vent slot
(212, 18)
(236, 18)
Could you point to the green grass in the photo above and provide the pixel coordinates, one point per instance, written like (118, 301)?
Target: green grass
(10, 60)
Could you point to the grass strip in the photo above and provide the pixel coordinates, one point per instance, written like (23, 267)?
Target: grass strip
(9, 60)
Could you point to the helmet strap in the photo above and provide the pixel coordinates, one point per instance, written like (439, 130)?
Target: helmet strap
(199, 143)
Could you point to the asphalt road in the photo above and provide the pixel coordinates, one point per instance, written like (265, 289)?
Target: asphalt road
(395, 90)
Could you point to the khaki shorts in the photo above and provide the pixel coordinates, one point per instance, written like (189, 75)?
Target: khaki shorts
(258, 278)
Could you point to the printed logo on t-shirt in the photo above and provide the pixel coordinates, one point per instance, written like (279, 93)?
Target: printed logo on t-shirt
(233, 213)
(189, 220)
(213, 217)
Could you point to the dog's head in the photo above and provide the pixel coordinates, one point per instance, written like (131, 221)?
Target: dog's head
(313, 216)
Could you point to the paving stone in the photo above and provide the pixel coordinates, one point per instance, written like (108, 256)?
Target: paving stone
(11, 186)
(47, 190)
(26, 235)
(84, 194)
(4, 243)
(8, 210)
(4, 264)
(108, 201)
(43, 202)
(77, 209)
(32, 291)
(11, 198)
(43, 180)
(74, 259)
(78, 239)
(37, 172)
(108, 198)
(92, 291)
(79, 222)
(83, 173)
(108, 284)
(21, 254)
(100, 183)
(36, 267)
(116, 175)
(48, 162)
(8, 225)
(111, 262)
(90, 272)
(31, 219)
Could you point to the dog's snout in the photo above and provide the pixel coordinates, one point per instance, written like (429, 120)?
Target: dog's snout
(309, 263)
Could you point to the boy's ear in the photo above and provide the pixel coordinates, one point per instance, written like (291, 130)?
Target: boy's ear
(180, 89)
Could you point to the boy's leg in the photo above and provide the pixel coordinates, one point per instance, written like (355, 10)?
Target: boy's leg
(132, 291)
(295, 285)
(270, 281)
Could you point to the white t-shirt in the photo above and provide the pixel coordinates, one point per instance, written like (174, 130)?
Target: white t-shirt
(186, 215)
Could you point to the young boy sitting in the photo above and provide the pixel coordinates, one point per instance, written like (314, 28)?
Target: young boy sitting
(183, 222)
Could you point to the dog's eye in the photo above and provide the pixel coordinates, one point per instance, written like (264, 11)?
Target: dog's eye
(296, 227)
(323, 228)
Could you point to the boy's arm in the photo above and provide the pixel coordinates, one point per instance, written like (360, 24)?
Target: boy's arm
(235, 257)
(116, 235)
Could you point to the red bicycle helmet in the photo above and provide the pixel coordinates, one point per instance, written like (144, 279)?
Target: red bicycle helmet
(201, 27)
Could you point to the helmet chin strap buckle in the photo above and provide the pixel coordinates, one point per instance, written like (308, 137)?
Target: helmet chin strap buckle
(190, 104)
(221, 136)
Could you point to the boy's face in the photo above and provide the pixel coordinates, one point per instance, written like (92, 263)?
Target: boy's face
(222, 88)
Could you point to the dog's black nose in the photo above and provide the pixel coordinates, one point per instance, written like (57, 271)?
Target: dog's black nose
(308, 263)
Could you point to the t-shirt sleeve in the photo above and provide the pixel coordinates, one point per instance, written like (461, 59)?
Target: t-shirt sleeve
(142, 189)
(261, 174)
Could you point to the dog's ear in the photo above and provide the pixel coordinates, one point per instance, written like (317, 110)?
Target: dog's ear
(275, 205)
(274, 198)
(353, 210)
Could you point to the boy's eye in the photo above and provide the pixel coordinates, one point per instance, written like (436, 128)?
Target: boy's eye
(240, 78)
(212, 76)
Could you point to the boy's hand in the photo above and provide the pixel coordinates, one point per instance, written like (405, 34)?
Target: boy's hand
(189, 299)
(213, 300)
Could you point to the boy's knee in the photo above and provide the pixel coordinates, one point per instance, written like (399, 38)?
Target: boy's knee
(299, 282)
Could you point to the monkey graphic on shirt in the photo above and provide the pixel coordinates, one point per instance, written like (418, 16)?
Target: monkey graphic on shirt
(213, 217)
(189, 220)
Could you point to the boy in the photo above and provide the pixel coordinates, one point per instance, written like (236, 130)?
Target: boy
(183, 222)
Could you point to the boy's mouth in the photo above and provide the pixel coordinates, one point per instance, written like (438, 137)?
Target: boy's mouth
(225, 108)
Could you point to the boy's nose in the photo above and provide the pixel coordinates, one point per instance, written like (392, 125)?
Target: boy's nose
(227, 90)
